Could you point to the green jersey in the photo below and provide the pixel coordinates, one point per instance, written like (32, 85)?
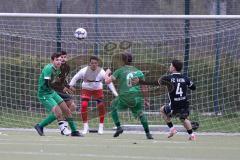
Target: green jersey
(124, 75)
(48, 72)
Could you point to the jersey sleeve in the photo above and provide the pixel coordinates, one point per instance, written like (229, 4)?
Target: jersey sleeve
(115, 74)
(190, 84)
(47, 72)
(102, 74)
(76, 77)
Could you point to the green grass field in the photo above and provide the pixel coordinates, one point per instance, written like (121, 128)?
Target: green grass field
(27, 145)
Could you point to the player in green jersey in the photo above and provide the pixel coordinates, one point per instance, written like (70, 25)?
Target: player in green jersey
(130, 96)
(51, 100)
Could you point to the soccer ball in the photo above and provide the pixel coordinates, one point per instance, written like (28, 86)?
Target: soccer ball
(80, 33)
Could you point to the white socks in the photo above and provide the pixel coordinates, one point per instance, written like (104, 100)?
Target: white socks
(86, 128)
(100, 128)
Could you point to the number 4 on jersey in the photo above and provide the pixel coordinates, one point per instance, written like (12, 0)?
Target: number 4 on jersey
(179, 90)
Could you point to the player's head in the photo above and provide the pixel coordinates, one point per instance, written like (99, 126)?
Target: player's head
(56, 60)
(93, 62)
(127, 58)
(176, 66)
(64, 56)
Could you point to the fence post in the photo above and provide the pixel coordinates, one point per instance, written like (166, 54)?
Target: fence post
(217, 62)
(59, 26)
(186, 37)
(96, 48)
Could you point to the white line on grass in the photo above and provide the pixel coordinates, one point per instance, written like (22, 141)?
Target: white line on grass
(127, 132)
(80, 155)
(130, 145)
(139, 145)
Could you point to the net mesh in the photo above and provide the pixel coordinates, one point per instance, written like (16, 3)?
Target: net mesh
(26, 45)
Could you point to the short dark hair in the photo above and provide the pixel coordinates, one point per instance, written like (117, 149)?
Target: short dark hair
(63, 53)
(177, 65)
(55, 55)
(94, 58)
(127, 58)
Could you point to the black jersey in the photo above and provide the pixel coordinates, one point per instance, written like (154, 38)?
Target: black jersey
(177, 85)
(61, 82)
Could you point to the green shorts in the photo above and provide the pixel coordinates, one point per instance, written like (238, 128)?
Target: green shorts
(50, 101)
(123, 102)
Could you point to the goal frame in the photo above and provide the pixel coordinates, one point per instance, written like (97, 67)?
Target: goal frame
(128, 16)
(124, 16)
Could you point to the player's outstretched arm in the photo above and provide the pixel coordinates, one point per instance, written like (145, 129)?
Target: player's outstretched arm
(108, 80)
(113, 89)
(190, 84)
(75, 78)
(193, 87)
(136, 81)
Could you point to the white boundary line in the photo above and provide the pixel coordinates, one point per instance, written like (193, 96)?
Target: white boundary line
(69, 155)
(107, 131)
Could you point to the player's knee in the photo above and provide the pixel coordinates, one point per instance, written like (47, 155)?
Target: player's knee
(166, 110)
(113, 105)
(65, 110)
(183, 117)
(140, 114)
(71, 105)
(162, 110)
(113, 111)
(84, 102)
(57, 112)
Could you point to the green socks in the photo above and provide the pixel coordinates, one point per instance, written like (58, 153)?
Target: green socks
(72, 124)
(49, 119)
(115, 118)
(144, 123)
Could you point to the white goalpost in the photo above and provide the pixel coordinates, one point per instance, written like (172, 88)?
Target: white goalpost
(209, 46)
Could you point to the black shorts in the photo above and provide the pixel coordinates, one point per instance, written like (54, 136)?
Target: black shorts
(65, 96)
(176, 111)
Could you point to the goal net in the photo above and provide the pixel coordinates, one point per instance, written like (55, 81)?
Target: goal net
(209, 48)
